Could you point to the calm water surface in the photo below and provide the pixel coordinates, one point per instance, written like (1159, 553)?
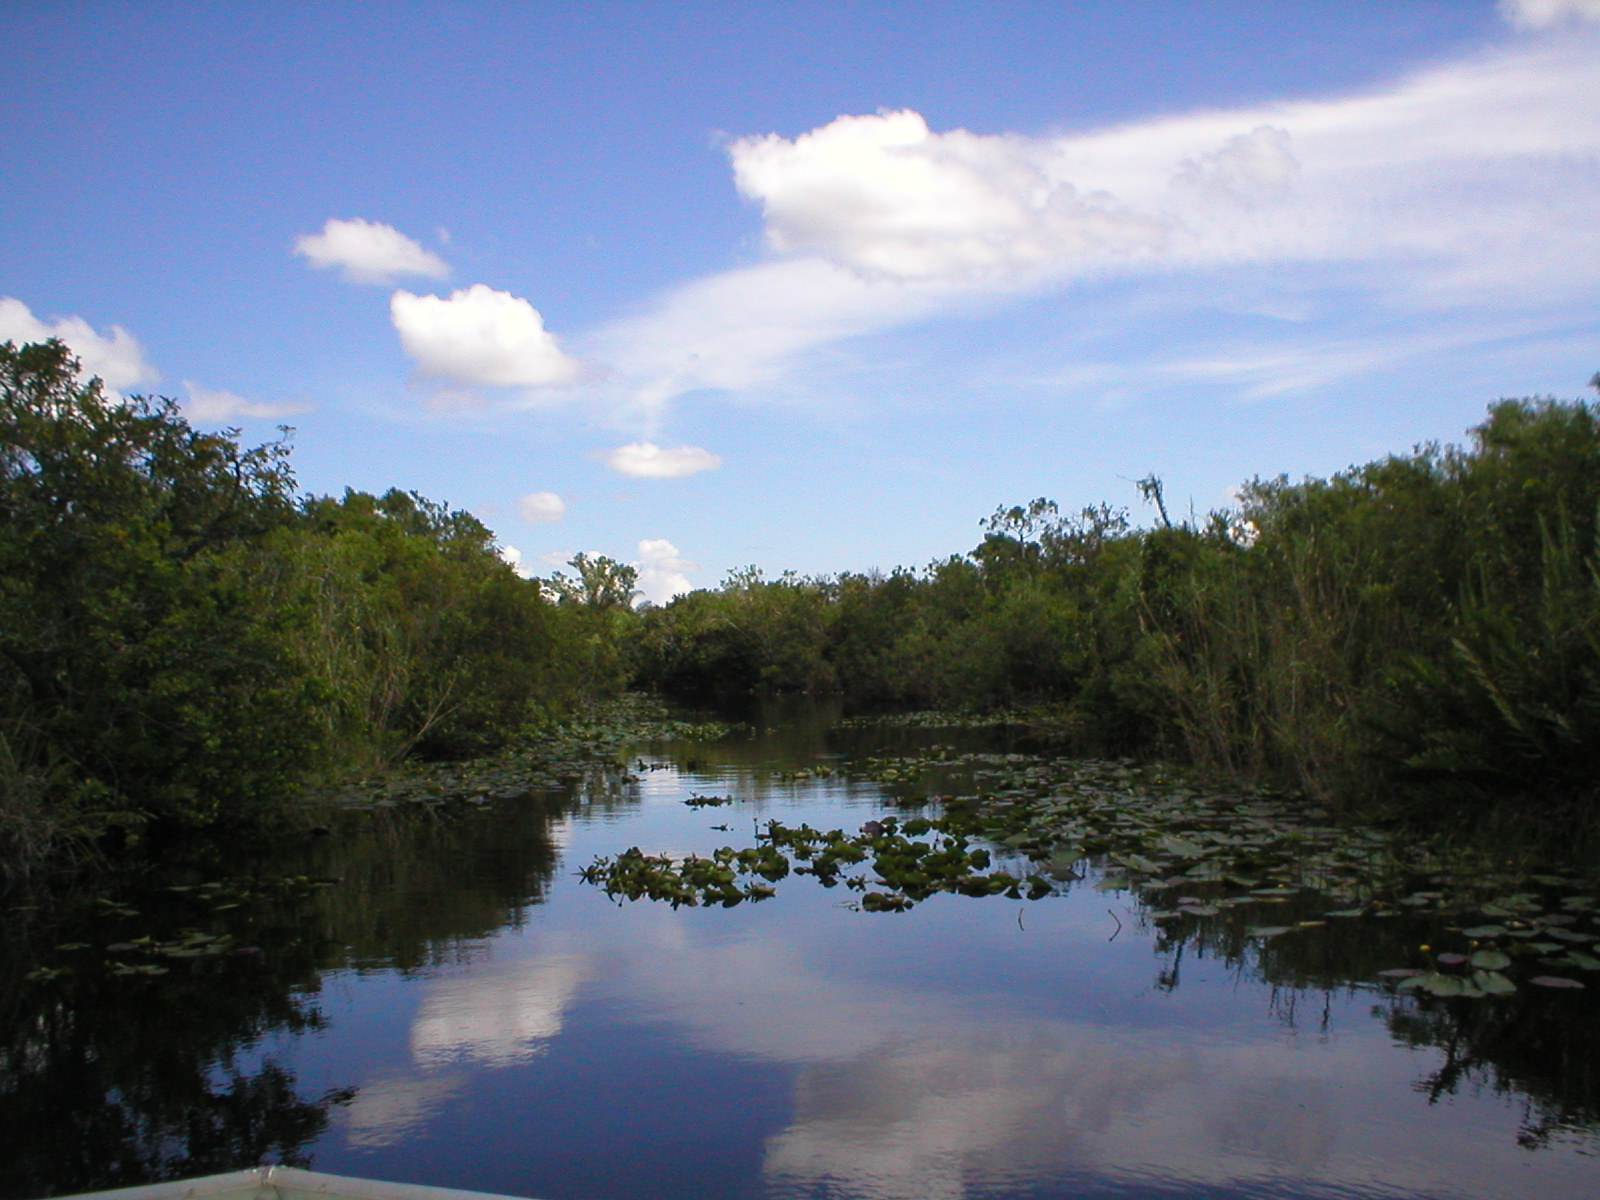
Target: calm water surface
(461, 1010)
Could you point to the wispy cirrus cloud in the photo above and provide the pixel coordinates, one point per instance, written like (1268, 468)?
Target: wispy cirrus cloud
(210, 404)
(1541, 14)
(368, 252)
(1465, 188)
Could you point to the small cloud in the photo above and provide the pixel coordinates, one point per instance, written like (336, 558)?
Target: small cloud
(480, 336)
(661, 571)
(512, 557)
(205, 404)
(1541, 14)
(646, 460)
(116, 357)
(369, 252)
(541, 507)
(554, 558)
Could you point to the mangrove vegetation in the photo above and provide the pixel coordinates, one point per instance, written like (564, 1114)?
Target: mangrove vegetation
(188, 643)
(1421, 632)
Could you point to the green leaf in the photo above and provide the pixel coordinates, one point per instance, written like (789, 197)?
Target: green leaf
(1493, 983)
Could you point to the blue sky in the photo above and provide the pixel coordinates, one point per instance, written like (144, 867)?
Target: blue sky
(808, 286)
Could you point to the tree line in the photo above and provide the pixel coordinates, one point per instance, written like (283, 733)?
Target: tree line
(185, 641)
(1423, 629)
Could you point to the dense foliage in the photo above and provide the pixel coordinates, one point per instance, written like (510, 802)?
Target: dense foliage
(184, 641)
(1422, 627)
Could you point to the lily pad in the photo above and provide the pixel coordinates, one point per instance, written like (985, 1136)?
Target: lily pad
(1554, 981)
(1484, 932)
(1491, 960)
(1493, 983)
(1436, 983)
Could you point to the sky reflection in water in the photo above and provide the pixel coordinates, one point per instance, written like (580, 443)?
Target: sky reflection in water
(969, 1048)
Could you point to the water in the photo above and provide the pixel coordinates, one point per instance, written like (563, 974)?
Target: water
(461, 1010)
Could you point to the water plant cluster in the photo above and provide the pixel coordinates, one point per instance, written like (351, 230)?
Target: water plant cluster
(892, 863)
(597, 737)
(207, 920)
(1264, 863)
(1196, 851)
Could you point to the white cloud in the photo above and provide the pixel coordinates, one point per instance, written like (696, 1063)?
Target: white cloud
(662, 571)
(541, 507)
(369, 252)
(1541, 14)
(480, 336)
(512, 557)
(742, 329)
(648, 461)
(116, 357)
(1466, 188)
(886, 196)
(207, 404)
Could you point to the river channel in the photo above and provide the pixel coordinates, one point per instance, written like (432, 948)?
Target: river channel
(436, 996)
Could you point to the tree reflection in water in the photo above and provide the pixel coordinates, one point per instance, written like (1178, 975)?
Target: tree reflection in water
(111, 1078)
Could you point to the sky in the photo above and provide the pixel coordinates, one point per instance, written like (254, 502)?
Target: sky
(807, 286)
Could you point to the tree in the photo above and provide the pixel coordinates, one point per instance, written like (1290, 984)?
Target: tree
(138, 664)
(602, 583)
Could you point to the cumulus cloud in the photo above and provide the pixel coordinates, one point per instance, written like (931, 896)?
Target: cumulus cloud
(368, 252)
(646, 460)
(512, 557)
(1541, 14)
(116, 357)
(207, 404)
(480, 336)
(662, 571)
(886, 196)
(541, 507)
